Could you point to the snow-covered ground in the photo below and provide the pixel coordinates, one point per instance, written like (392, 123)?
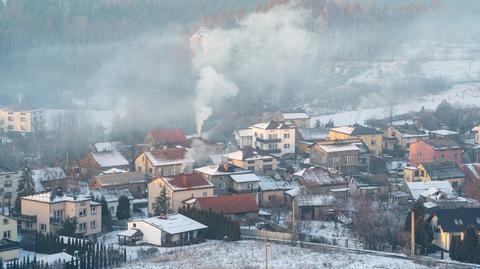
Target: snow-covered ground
(251, 254)
(461, 94)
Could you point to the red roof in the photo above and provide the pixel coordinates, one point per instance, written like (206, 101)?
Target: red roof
(188, 181)
(168, 154)
(168, 136)
(229, 204)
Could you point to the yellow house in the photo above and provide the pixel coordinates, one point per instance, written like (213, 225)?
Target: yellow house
(163, 162)
(371, 137)
(45, 213)
(22, 120)
(179, 189)
(9, 246)
(436, 171)
(446, 223)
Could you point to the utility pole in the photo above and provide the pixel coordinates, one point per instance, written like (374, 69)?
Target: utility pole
(412, 234)
(293, 217)
(266, 248)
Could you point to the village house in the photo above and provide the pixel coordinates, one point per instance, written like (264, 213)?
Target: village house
(447, 223)
(436, 171)
(95, 163)
(370, 184)
(165, 137)
(314, 207)
(319, 180)
(244, 183)
(219, 175)
(417, 189)
(256, 160)
(9, 184)
(50, 178)
(164, 231)
(9, 246)
(371, 137)
(22, 120)
(163, 162)
(243, 137)
(305, 137)
(105, 146)
(240, 207)
(272, 191)
(298, 119)
(179, 189)
(135, 182)
(277, 138)
(435, 149)
(45, 212)
(342, 156)
(406, 135)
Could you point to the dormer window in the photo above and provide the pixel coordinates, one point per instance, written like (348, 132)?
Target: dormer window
(458, 222)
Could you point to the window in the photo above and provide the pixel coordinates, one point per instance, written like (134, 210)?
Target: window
(422, 173)
(267, 167)
(373, 142)
(10, 118)
(442, 156)
(82, 226)
(112, 208)
(220, 185)
(43, 227)
(83, 212)
(151, 170)
(286, 146)
(6, 234)
(23, 119)
(139, 169)
(58, 214)
(134, 225)
(28, 224)
(93, 210)
(286, 135)
(93, 224)
(8, 183)
(249, 185)
(8, 195)
(5, 221)
(205, 194)
(416, 173)
(250, 162)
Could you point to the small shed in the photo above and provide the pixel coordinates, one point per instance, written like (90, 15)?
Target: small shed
(130, 237)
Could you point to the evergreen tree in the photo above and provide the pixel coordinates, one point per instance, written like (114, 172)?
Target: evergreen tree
(123, 209)
(26, 186)
(470, 245)
(106, 216)
(162, 203)
(68, 228)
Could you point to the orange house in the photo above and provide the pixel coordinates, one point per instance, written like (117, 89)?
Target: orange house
(434, 150)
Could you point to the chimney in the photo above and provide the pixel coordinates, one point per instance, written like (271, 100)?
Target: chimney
(58, 191)
(225, 166)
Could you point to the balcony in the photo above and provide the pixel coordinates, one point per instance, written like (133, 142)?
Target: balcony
(268, 141)
(57, 221)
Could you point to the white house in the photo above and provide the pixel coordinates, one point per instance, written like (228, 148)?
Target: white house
(277, 138)
(243, 137)
(168, 230)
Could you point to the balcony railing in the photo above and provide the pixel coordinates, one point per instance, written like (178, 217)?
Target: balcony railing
(58, 221)
(268, 141)
(273, 151)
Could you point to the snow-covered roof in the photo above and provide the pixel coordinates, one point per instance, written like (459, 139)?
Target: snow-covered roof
(113, 171)
(241, 178)
(175, 224)
(244, 132)
(169, 156)
(106, 146)
(248, 153)
(218, 170)
(120, 178)
(267, 183)
(338, 147)
(294, 192)
(318, 176)
(314, 200)
(51, 197)
(418, 188)
(185, 182)
(271, 125)
(111, 195)
(57, 257)
(429, 205)
(295, 116)
(130, 232)
(444, 132)
(109, 159)
(46, 174)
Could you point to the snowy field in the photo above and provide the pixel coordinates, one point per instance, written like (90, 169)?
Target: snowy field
(467, 94)
(250, 254)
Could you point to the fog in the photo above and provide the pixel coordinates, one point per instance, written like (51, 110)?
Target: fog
(222, 66)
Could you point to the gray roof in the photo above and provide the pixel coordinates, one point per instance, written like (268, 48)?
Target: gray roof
(318, 176)
(121, 178)
(442, 143)
(268, 183)
(443, 170)
(409, 130)
(314, 200)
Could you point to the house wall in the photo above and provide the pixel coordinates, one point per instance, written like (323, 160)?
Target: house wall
(246, 186)
(222, 183)
(286, 144)
(176, 197)
(268, 196)
(24, 121)
(151, 234)
(440, 238)
(243, 141)
(8, 224)
(373, 142)
(258, 166)
(421, 152)
(344, 162)
(9, 185)
(145, 166)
